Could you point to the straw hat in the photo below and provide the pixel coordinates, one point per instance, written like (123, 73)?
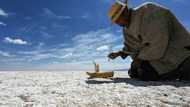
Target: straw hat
(116, 10)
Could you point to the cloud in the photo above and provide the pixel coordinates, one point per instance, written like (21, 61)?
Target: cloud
(41, 56)
(85, 16)
(117, 64)
(67, 55)
(3, 24)
(93, 44)
(86, 46)
(42, 53)
(3, 13)
(79, 54)
(117, 47)
(65, 17)
(6, 54)
(49, 13)
(40, 45)
(15, 41)
(95, 38)
(103, 48)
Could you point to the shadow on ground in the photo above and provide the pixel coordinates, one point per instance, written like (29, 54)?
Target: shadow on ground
(135, 82)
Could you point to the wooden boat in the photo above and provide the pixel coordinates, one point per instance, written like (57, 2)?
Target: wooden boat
(98, 74)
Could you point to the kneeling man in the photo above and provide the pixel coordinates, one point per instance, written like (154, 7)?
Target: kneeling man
(156, 41)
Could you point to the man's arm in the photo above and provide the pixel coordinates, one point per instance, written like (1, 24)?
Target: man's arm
(114, 55)
(123, 54)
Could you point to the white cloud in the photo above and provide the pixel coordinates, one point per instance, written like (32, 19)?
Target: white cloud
(84, 48)
(41, 56)
(117, 47)
(91, 45)
(95, 38)
(66, 56)
(42, 53)
(85, 16)
(103, 48)
(3, 13)
(6, 54)
(40, 46)
(49, 13)
(30, 53)
(3, 24)
(65, 17)
(15, 41)
(87, 65)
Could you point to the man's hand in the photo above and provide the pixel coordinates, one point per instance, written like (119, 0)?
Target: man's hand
(114, 55)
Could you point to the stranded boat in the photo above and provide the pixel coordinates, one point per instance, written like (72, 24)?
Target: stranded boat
(98, 74)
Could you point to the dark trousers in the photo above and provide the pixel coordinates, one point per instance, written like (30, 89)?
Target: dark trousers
(184, 70)
(144, 71)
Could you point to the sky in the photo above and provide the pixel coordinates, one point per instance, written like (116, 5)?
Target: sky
(66, 34)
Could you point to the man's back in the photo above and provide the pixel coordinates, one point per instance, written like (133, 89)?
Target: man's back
(162, 37)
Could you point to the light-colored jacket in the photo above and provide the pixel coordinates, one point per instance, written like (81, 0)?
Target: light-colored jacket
(157, 36)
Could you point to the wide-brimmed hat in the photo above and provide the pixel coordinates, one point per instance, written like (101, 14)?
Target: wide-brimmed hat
(116, 10)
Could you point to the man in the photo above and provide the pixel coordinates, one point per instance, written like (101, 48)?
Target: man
(156, 41)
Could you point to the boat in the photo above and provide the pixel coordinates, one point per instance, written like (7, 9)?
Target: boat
(98, 74)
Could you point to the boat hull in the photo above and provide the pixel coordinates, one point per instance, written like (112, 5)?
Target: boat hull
(101, 74)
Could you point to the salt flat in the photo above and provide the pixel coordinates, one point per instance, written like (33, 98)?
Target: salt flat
(73, 89)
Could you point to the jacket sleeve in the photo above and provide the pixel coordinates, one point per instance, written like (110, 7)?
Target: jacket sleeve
(123, 55)
(155, 33)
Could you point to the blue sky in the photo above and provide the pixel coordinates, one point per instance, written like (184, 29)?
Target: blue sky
(65, 34)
